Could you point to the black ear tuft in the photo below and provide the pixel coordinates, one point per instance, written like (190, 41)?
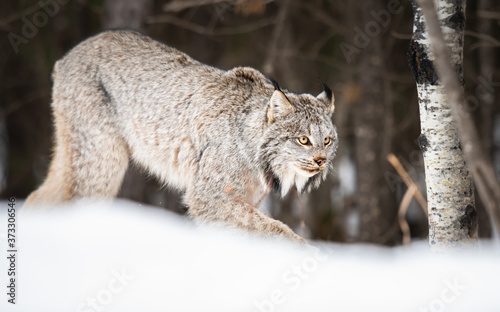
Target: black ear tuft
(328, 91)
(277, 88)
(275, 84)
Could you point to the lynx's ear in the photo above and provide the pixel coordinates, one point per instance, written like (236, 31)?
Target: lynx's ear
(279, 105)
(327, 97)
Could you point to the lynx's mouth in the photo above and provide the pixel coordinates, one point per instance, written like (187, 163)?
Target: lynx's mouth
(310, 168)
(310, 171)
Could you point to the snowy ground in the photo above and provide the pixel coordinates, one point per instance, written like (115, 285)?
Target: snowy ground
(127, 257)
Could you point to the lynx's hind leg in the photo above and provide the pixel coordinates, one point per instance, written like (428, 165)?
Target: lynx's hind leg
(99, 158)
(90, 156)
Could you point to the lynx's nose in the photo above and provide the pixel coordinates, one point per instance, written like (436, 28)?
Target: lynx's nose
(320, 160)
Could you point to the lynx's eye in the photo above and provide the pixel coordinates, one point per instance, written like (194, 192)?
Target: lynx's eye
(328, 140)
(303, 140)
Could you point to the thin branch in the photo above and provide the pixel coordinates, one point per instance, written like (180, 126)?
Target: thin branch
(484, 37)
(399, 35)
(180, 5)
(408, 181)
(488, 14)
(4, 22)
(226, 31)
(15, 105)
(15, 16)
(321, 16)
(482, 44)
(411, 192)
(328, 60)
(483, 170)
(403, 209)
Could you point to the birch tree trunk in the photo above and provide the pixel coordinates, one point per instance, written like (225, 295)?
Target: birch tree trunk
(450, 193)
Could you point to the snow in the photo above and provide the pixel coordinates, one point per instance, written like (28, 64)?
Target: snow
(130, 257)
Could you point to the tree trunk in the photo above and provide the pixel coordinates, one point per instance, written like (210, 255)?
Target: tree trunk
(485, 94)
(372, 117)
(450, 194)
(485, 91)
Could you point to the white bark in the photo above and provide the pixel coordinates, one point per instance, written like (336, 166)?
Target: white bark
(450, 195)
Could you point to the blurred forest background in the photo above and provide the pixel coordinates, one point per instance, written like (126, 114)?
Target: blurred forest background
(358, 47)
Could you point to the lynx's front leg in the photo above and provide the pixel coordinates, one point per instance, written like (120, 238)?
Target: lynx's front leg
(231, 211)
(219, 192)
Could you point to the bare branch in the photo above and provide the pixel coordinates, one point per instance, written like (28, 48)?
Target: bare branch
(30, 97)
(225, 31)
(403, 208)
(14, 17)
(180, 5)
(4, 22)
(317, 58)
(494, 42)
(322, 16)
(402, 36)
(488, 14)
(408, 181)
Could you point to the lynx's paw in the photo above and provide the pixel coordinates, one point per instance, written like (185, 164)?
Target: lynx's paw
(280, 229)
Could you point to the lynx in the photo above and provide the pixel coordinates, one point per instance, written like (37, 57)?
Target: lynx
(223, 138)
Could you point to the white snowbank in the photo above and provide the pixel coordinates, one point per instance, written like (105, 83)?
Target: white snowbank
(125, 257)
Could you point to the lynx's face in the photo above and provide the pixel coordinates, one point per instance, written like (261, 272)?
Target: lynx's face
(300, 141)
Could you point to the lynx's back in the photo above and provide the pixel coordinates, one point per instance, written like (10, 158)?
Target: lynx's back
(160, 99)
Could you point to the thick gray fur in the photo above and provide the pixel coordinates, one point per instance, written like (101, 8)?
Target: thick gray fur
(223, 138)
